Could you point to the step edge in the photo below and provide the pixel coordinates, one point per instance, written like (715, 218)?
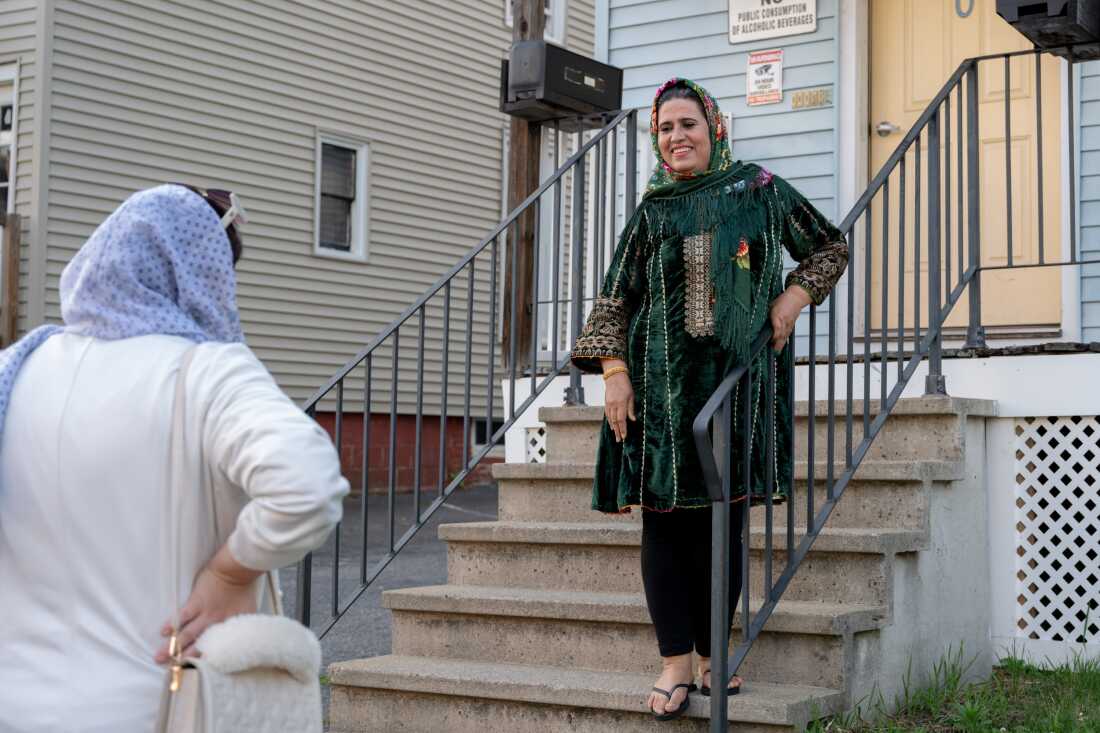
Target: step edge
(870, 470)
(790, 617)
(949, 405)
(764, 710)
(839, 540)
(961, 406)
(563, 414)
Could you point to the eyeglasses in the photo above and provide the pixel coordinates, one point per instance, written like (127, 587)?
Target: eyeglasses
(228, 202)
(225, 203)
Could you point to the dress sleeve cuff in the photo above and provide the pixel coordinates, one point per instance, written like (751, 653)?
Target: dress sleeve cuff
(816, 295)
(819, 272)
(604, 335)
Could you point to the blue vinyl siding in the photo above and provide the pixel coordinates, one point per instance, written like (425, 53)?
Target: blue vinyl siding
(652, 40)
(1088, 196)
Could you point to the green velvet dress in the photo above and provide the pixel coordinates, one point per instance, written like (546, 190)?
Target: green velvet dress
(688, 288)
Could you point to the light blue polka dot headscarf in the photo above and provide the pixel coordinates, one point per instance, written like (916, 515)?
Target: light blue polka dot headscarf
(160, 264)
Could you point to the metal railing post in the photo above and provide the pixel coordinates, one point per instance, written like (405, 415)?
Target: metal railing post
(720, 578)
(302, 589)
(574, 394)
(975, 332)
(934, 383)
(630, 185)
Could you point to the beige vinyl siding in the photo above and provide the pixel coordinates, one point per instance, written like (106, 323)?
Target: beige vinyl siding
(18, 27)
(233, 94)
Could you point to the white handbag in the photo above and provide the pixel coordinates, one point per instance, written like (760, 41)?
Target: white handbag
(256, 673)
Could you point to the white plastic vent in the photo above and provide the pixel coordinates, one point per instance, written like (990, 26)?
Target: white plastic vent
(1058, 528)
(536, 445)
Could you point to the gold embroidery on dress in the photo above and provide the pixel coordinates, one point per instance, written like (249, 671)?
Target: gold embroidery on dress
(604, 334)
(699, 319)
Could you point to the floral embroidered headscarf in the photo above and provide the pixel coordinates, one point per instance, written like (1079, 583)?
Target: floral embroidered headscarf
(721, 158)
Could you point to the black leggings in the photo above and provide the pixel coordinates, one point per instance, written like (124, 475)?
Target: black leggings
(676, 574)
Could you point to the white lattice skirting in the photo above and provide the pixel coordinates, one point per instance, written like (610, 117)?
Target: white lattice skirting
(1058, 528)
(536, 445)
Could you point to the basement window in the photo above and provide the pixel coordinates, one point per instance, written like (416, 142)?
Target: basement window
(340, 206)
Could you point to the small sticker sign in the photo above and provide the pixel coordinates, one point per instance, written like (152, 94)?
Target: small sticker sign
(754, 20)
(765, 77)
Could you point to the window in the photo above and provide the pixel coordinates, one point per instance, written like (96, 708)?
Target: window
(5, 164)
(340, 204)
(7, 137)
(555, 19)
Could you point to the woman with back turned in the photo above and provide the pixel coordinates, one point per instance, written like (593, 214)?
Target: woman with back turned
(696, 275)
(86, 499)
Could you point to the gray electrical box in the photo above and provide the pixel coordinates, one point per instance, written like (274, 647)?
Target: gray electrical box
(544, 82)
(1059, 26)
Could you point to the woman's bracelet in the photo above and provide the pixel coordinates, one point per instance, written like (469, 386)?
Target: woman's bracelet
(615, 370)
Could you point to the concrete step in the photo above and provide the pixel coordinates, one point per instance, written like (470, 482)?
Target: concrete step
(919, 428)
(571, 433)
(883, 493)
(845, 566)
(803, 643)
(407, 694)
(550, 492)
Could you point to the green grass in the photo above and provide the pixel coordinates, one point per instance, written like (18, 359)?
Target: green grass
(1021, 697)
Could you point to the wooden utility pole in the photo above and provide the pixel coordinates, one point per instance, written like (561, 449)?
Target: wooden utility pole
(9, 285)
(528, 24)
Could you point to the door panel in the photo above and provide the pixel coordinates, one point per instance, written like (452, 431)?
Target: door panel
(915, 46)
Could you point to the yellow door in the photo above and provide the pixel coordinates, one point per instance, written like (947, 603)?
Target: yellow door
(915, 46)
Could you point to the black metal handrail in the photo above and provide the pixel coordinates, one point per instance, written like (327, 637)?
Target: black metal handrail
(951, 195)
(590, 231)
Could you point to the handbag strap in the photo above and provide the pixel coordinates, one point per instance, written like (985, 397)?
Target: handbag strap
(177, 460)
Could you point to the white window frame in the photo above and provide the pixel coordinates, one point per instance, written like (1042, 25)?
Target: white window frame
(555, 25)
(10, 73)
(360, 216)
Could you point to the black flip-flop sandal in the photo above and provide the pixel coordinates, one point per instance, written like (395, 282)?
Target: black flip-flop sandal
(674, 714)
(705, 690)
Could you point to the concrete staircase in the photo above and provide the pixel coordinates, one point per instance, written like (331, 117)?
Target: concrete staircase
(543, 626)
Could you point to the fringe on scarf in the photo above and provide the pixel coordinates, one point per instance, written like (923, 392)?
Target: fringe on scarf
(733, 209)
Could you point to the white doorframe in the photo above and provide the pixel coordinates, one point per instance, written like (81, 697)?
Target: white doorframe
(1071, 274)
(852, 141)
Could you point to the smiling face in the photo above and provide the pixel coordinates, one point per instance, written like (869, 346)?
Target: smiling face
(683, 136)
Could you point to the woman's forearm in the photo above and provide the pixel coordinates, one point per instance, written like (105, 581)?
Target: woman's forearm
(799, 294)
(229, 570)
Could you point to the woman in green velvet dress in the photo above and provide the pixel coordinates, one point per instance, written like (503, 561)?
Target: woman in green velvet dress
(697, 273)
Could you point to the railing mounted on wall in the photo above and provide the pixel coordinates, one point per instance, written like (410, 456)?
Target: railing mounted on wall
(442, 351)
(920, 215)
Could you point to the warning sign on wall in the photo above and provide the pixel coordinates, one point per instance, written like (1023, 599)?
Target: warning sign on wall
(765, 77)
(753, 20)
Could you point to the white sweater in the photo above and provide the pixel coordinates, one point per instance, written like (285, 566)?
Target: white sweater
(84, 574)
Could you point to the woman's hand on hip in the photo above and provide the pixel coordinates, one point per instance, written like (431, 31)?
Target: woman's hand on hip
(223, 588)
(618, 403)
(784, 314)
